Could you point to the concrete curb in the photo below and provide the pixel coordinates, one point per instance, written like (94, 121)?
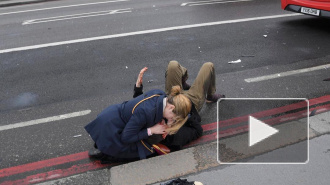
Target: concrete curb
(177, 164)
(9, 3)
(192, 160)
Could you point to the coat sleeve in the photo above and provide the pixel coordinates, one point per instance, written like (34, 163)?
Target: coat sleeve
(134, 129)
(137, 91)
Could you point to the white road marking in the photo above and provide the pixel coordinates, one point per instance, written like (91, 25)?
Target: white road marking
(44, 120)
(287, 73)
(145, 32)
(75, 16)
(211, 2)
(57, 7)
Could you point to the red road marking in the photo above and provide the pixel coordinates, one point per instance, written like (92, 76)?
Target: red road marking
(233, 121)
(75, 169)
(43, 164)
(51, 175)
(241, 129)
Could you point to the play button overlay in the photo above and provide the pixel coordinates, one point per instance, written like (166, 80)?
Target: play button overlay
(259, 131)
(262, 131)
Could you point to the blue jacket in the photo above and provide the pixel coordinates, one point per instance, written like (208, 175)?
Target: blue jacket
(118, 133)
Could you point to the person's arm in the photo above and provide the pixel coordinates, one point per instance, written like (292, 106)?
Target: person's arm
(135, 131)
(137, 91)
(138, 87)
(190, 131)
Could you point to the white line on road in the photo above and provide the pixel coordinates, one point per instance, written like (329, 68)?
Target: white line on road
(288, 73)
(45, 120)
(211, 2)
(144, 32)
(57, 7)
(75, 16)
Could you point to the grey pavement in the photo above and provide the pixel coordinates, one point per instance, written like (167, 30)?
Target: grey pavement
(199, 164)
(316, 171)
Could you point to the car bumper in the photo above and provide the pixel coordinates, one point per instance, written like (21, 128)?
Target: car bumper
(296, 5)
(295, 8)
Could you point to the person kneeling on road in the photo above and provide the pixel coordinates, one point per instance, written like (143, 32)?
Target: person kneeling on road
(120, 132)
(203, 89)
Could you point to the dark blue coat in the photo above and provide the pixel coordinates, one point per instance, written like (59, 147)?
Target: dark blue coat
(118, 133)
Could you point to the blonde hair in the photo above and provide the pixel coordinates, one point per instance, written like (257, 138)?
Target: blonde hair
(182, 108)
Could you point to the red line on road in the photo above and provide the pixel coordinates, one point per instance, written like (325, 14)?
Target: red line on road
(55, 174)
(237, 120)
(95, 165)
(43, 164)
(241, 129)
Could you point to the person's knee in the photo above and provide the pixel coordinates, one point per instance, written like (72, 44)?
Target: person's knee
(172, 65)
(209, 66)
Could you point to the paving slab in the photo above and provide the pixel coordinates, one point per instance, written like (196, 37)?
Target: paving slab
(154, 169)
(320, 123)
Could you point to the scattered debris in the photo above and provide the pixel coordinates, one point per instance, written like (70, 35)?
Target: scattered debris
(328, 79)
(126, 67)
(149, 81)
(77, 135)
(265, 36)
(312, 113)
(247, 56)
(235, 62)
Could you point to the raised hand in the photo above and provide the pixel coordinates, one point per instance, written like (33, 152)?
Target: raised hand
(140, 77)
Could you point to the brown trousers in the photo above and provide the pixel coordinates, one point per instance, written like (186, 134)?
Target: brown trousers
(203, 85)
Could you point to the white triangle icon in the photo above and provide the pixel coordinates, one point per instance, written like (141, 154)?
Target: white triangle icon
(259, 131)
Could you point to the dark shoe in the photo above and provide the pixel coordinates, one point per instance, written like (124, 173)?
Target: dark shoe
(95, 153)
(179, 181)
(185, 86)
(214, 98)
(107, 160)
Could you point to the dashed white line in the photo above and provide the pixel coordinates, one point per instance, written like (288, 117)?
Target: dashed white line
(211, 2)
(44, 120)
(76, 16)
(287, 73)
(57, 7)
(144, 32)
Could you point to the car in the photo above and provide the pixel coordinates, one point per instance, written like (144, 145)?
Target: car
(320, 8)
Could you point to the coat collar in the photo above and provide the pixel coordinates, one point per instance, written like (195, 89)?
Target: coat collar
(159, 108)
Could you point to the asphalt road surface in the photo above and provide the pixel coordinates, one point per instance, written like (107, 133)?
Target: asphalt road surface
(74, 58)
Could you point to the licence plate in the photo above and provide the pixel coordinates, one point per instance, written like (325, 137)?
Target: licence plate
(310, 11)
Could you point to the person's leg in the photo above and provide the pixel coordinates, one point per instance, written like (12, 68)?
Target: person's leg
(203, 85)
(174, 75)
